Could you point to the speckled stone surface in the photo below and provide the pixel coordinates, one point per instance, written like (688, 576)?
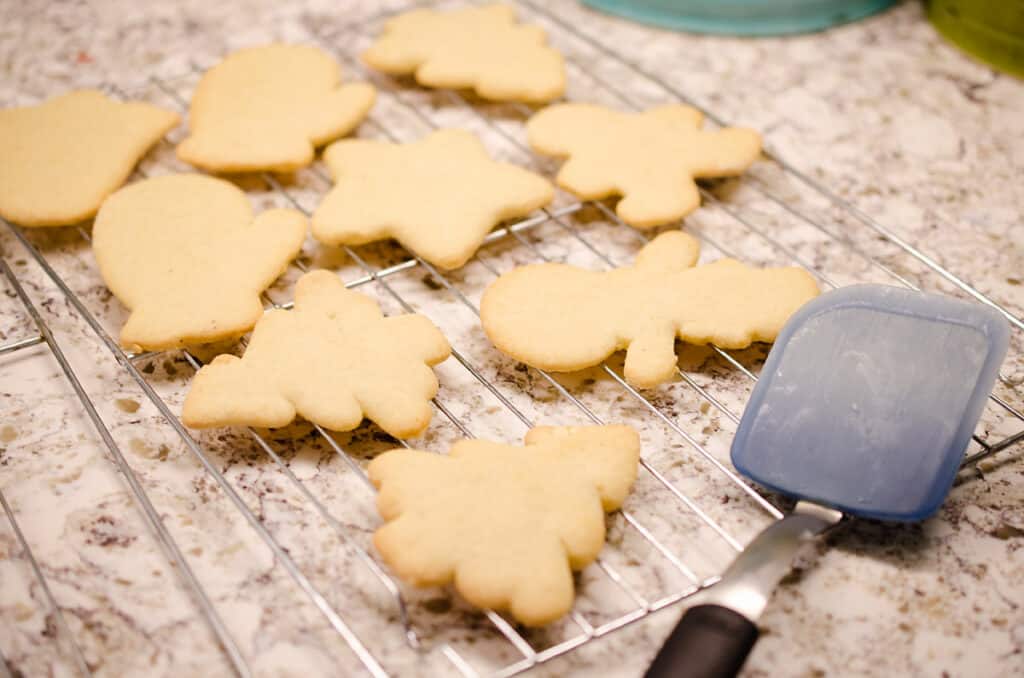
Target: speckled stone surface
(884, 113)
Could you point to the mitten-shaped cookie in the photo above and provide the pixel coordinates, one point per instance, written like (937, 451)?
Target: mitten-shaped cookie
(266, 108)
(186, 255)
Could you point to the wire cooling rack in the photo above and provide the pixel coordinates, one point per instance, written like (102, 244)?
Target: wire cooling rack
(775, 215)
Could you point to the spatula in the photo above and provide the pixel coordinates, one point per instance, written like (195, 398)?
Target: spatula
(864, 407)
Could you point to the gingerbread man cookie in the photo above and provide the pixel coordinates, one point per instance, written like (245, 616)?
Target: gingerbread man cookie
(562, 318)
(649, 158)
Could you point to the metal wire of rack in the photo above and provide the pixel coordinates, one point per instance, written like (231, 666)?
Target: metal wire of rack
(565, 217)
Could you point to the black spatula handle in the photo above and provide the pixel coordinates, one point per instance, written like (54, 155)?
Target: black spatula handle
(710, 641)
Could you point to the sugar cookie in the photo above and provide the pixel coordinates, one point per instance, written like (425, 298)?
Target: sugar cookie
(334, 359)
(562, 318)
(439, 196)
(476, 47)
(507, 524)
(60, 159)
(266, 108)
(186, 255)
(649, 158)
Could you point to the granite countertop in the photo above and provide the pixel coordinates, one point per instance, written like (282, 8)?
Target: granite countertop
(884, 113)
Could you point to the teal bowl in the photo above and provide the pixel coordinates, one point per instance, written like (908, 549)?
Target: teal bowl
(743, 17)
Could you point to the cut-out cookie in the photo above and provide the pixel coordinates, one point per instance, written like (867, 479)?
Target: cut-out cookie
(439, 196)
(562, 318)
(334, 359)
(266, 108)
(482, 48)
(60, 159)
(186, 255)
(649, 158)
(508, 524)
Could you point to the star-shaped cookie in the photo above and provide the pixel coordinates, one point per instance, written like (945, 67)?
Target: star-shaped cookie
(186, 255)
(266, 108)
(562, 318)
(482, 48)
(60, 159)
(438, 196)
(507, 524)
(649, 158)
(334, 359)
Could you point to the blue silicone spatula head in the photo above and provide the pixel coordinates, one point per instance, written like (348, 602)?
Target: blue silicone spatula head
(869, 398)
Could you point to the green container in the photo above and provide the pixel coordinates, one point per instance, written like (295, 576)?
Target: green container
(990, 30)
(743, 17)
